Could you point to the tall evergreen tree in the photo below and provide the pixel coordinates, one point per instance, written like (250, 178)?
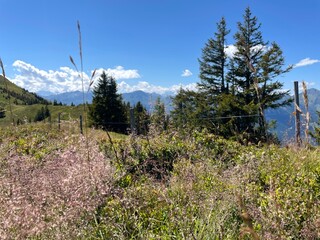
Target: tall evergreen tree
(142, 119)
(213, 71)
(213, 62)
(256, 68)
(42, 114)
(107, 109)
(158, 116)
(250, 48)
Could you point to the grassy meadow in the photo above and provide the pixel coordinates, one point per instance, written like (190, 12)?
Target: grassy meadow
(58, 184)
(27, 113)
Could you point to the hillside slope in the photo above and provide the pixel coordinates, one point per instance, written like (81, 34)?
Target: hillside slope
(25, 105)
(18, 95)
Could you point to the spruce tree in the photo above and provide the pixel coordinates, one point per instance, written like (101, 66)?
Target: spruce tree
(158, 117)
(213, 71)
(142, 119)
(257, 66)
(250, 47)
(107, 110)
(213, 62)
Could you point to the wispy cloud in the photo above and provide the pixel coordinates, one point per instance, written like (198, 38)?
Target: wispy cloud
(150, 88)
(186, 73)
(306, 62)
(63, 80)
(231, 50)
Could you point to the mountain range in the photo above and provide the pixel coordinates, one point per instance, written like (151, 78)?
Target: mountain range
(148, 100)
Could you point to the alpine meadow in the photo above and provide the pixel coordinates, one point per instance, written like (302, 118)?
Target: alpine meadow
(209, 166)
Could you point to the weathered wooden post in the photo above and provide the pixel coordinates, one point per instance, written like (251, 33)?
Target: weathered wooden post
(81, 129)
(297, 113)
(132, 121)
(59, 120)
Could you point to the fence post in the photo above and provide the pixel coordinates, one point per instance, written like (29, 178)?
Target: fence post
(81, 129)
(297, 113)
(132, 121)
(59, 120)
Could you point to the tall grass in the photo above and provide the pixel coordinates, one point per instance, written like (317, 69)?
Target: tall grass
(81, 76)
(46, 191)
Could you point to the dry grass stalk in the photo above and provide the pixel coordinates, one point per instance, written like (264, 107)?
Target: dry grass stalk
(307, 114)
(81, 76)
(91, 81)
(7, 89)
(247, 220)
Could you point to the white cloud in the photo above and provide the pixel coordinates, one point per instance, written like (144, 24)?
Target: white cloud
(119, 72)
(230, 50)
(66, 79)
(306, 62)
(63, 80)
(150, 88)
(186, 73)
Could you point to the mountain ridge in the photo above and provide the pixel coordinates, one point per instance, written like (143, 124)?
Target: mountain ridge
(148, 100)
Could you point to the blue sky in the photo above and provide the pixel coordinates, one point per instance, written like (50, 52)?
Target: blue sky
(152, 45)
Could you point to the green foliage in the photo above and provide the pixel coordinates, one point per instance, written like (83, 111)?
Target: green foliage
(55, 103)
(286, 194)
(205, 187)
(2, 112)
(167, 186)
(159, 119)
(191, 111)
(42, 114)
(33, 141)
(142, 119)
(107, 110)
